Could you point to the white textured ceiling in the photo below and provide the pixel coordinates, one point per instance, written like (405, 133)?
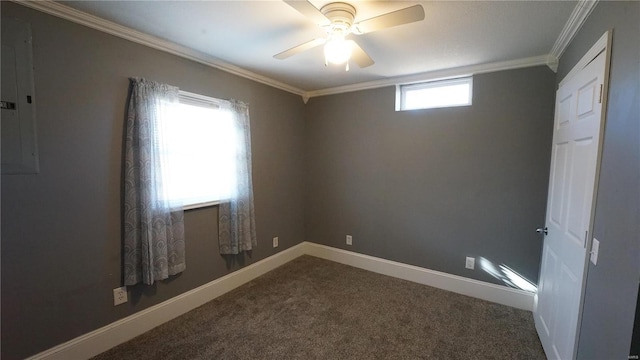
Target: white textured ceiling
(248, 33)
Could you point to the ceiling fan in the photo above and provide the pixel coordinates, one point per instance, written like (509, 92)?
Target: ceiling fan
(338, 21)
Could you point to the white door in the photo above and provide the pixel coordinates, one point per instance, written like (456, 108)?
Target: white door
(574, 159)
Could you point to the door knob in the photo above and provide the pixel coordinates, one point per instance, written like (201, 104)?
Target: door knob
(543, 230)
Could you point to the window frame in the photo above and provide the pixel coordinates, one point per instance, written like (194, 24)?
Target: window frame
(402, 89)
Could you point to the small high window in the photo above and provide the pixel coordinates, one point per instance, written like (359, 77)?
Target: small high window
(434, 94)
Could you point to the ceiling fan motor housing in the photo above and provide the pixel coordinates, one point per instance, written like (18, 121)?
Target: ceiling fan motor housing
(340, 14)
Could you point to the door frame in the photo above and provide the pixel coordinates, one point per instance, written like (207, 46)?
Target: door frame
(602, 45)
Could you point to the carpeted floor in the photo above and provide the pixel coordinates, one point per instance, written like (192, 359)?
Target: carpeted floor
(317, 309)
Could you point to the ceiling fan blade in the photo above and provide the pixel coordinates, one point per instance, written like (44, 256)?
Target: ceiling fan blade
(360, 56)
(300, 48)
(395, 18)
(307, 9)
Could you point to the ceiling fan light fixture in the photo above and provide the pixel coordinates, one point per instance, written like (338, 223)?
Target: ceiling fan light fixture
(337, 19)
(337, 50)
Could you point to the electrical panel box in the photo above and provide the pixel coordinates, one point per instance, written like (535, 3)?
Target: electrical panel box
(19, 148)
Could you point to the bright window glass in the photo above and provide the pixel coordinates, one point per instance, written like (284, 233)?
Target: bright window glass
(436, 94)
(201, 142)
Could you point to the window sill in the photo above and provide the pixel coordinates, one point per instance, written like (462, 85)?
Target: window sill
(202, 205)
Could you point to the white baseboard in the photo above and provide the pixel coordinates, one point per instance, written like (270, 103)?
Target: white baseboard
(100, 340)
(458, 284)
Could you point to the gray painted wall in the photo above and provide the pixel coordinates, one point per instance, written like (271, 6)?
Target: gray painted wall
(426, 187)
(430, 187)
(61, 228)
(612, 285)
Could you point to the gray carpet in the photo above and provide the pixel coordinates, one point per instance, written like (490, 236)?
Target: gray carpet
(317, 309)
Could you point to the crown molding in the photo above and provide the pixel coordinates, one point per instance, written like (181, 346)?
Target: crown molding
(65, 12)
(438, 75)
(579, 15)
(553, 62)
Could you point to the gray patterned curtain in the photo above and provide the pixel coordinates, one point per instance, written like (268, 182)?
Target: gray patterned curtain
(153, 228)
(236, 219)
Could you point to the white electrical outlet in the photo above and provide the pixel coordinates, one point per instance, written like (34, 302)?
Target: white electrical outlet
(275, 242)
(349, 240)
(119, 295)
(595, 248)
(470, 263)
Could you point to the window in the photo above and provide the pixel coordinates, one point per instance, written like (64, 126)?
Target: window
(200, 140)
(434, 94)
